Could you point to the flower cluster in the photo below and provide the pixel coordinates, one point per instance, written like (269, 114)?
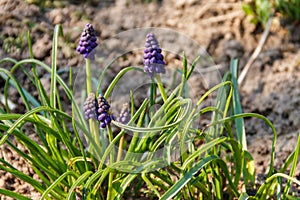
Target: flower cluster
(88, 42)
(124, 114)
(153, 59)
(97, 109)
(90, 106)
(104, 116)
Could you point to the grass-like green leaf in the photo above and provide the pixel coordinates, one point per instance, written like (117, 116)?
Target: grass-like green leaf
(150, 185)
(79, 181)
(187, 177)
(53, 87)
(236, 105)
(37, 185)
(191, 159)
(26, 97)
(158, 128)
(190, 71)
(14, 195)
(294, 165)
(267, 121)
(125, 183)
(56, 183)
(269, 183)
(117, 78)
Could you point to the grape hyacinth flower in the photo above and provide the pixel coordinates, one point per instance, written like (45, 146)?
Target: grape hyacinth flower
(153, 59)
(124, 114)
(90, 106)
(104, 116)
(88, 42)
(97, 109)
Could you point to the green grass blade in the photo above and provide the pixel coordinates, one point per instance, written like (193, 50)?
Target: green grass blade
(187, 177)
(150, 185)
(183, 75)
(289, 197)
(36, 184)
(265, 187)
(92, 179)
(191, 159)
(293, 168)
(192, 67)
(26, 97)
(39, 158)
(27, 115)
(19, 121)
(64, 86)
(238, 156)
(14, 195)
(4, 60)
(102, 76)
(168, 146)
(185, 67)
(57, 32)
(82, 178)
(52, 141)
(29, 40)
(45, 101)
(117, 78)
(224, 168)
(222, 103)
(267, 121)
(211, 90)
(56, 182)
(249, 170)
(237, 108)
(158, 128)
(125, 183)
(117, 138)
(103, 176)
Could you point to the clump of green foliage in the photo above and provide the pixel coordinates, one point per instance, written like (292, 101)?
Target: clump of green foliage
(213, 162)
(262, 10)
(289, 9)
(16, 44)
(259, 10)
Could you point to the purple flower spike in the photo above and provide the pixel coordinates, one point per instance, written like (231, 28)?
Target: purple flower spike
(97, 109)
(153, 59)
(90, 106)
(104, 116)
(124, 114)
(88, 42)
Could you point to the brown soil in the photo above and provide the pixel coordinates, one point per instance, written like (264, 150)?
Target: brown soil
(271, 88)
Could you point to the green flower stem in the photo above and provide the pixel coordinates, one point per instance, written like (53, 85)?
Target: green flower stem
(110, 137)
(161, 87)
(111, 161)
(152, 96)
(109, 192)
(88, 76)
(89, 88)
(92, 123)
(95, 132)
(121, 145)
